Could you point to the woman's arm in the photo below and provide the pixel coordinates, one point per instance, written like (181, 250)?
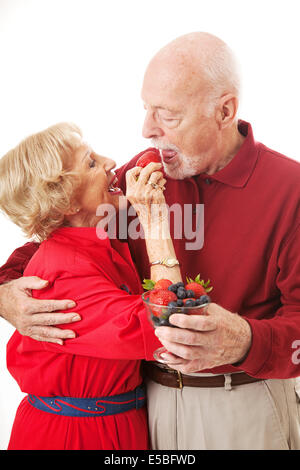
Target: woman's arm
(150, 205)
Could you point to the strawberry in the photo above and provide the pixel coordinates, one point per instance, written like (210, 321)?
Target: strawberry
(148, 284)
(162, 284)
(198, 286)
(198, 289)
(148, 157)
(160, 297)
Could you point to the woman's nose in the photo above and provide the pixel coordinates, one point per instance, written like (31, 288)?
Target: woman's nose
(109, 164)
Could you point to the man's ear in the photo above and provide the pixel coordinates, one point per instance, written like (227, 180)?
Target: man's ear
(227, 110)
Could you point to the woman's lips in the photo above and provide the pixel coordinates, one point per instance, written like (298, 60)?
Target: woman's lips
(168, 155)
(115, 191)
(113, 188)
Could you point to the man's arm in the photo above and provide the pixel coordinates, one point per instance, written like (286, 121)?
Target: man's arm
(263, 348)
(17, 262)
(30, 316)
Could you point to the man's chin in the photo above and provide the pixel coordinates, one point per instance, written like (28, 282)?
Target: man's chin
(175, 173)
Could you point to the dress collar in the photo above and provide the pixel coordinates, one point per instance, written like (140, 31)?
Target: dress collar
(84, 235)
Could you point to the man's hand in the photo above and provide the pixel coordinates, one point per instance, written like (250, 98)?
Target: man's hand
(30, 316)
(205, 341)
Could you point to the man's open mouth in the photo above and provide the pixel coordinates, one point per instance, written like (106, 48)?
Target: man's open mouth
(168, 155)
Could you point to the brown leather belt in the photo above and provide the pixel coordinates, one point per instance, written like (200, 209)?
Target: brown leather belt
(173, 378)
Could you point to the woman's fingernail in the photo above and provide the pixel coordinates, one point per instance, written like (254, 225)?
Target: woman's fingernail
(71, 305)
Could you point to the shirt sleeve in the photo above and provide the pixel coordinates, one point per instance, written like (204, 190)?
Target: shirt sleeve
(17, 262)
(113, 325)
(275, 349)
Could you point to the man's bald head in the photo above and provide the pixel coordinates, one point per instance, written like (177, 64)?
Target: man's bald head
(200, 60)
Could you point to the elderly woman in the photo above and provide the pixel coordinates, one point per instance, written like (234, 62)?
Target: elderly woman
(86, 393)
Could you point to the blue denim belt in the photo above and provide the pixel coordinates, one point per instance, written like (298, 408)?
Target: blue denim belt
(83, 407)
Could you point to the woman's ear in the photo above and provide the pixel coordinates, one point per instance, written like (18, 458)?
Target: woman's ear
(73, 211)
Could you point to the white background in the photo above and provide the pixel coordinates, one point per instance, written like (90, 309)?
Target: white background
(83, 61)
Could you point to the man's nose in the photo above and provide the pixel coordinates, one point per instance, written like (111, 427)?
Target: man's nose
(151, 128)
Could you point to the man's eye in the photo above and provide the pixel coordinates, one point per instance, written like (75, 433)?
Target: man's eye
(168, 119)
(170, 122)
(92, 163)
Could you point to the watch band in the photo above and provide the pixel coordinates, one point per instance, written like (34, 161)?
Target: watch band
(168, 262)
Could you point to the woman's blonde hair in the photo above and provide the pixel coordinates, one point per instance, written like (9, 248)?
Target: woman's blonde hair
(36, 184)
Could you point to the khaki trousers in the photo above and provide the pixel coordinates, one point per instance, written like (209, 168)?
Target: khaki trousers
(256, 416)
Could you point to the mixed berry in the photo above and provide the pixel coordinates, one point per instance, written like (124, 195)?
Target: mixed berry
(165, 298)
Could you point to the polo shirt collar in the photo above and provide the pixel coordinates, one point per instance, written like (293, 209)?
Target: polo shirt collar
(240, 168)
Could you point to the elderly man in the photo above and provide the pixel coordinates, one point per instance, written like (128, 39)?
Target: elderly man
(236, 385)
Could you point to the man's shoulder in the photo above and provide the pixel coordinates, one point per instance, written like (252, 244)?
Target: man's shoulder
(277, 170)
(278, 160)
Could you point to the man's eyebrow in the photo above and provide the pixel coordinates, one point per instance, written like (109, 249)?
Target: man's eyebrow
(163, 108)
(170, 110)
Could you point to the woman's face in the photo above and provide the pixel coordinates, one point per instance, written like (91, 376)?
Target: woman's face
(98, 185)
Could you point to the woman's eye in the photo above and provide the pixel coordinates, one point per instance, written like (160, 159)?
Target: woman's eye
(92, 163)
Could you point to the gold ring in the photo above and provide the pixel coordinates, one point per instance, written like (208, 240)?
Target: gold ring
(154, 185)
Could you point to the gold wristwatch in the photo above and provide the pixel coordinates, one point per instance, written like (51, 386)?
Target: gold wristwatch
(168, 262)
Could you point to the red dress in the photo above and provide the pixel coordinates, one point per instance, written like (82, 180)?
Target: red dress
(105, 357)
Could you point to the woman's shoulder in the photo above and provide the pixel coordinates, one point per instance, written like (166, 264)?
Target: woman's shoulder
(51, 258)
(57, 256)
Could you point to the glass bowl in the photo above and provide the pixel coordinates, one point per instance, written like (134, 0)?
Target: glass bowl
(158, 315)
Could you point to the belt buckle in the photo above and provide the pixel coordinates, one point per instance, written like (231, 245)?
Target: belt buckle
(179, 377)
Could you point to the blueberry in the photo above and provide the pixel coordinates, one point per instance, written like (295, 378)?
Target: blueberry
(173, 288)
(180, 303)
(172, 307)
(155, 320)
(181, 293)
(204, 299)
(172, 304)
(190, 293)
(190, 303)
(179, 284)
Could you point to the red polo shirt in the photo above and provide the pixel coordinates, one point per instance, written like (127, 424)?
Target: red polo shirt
(250, 252)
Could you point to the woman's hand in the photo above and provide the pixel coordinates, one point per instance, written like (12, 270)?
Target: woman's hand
(145, 191)
(145, 188)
